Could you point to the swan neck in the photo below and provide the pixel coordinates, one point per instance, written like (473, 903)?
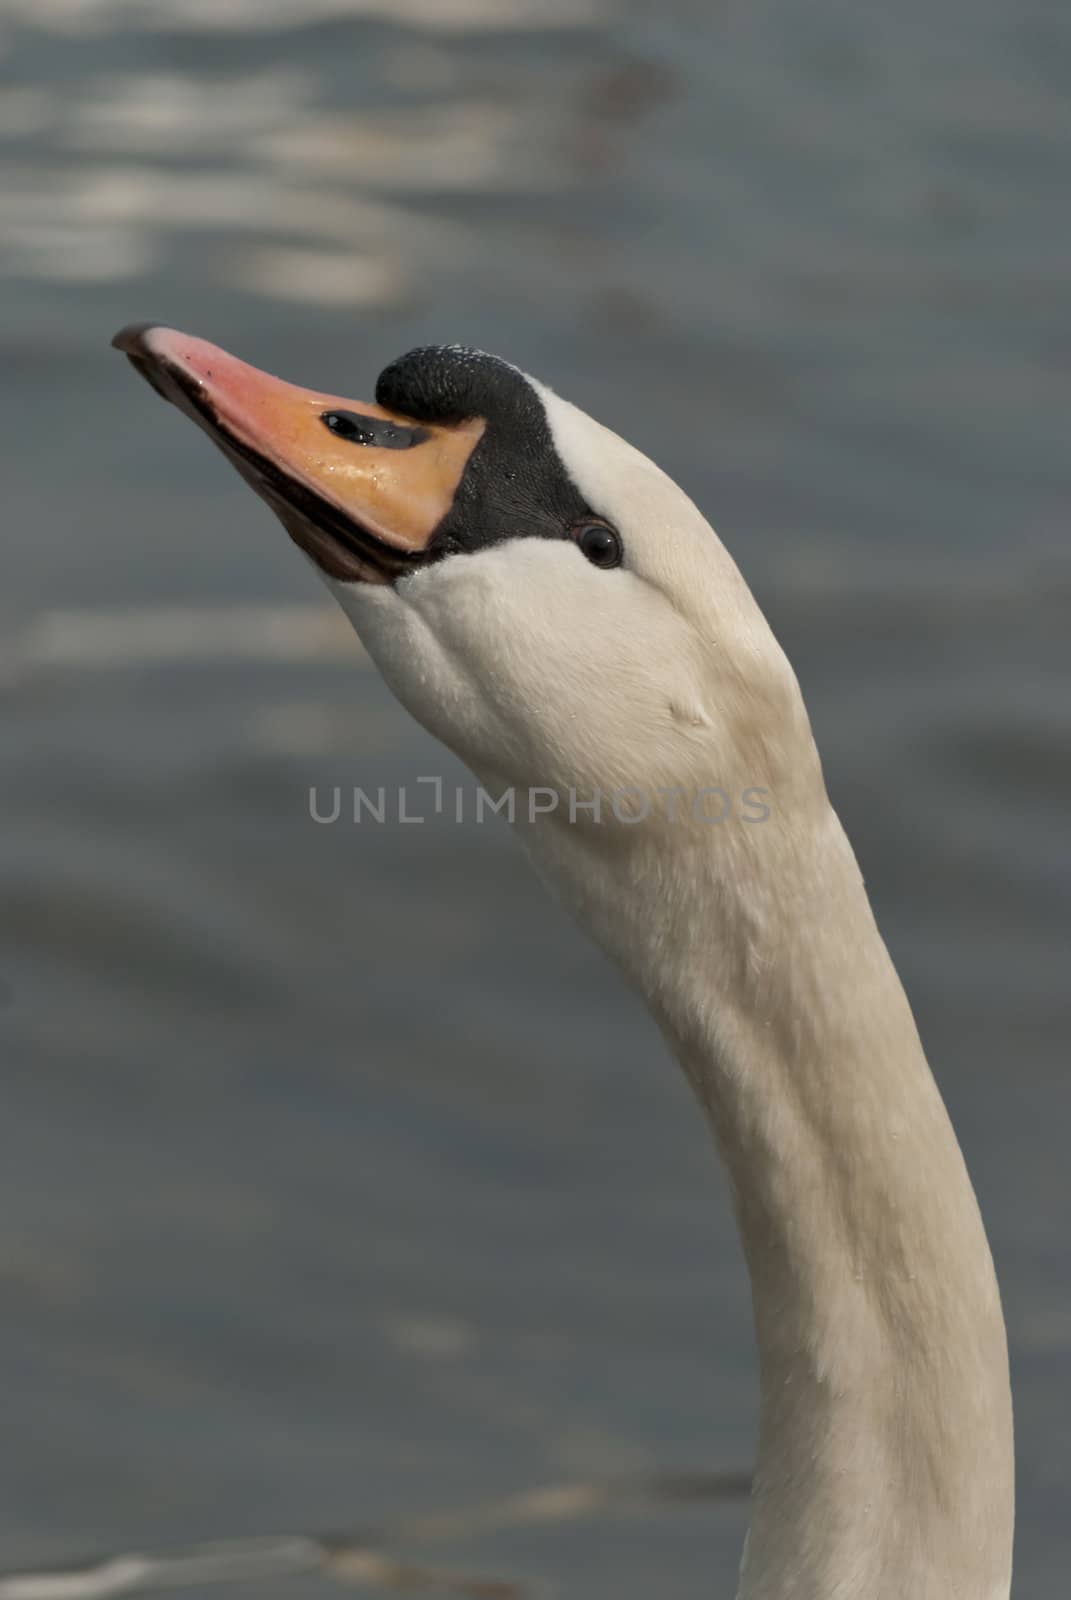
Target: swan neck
(885, 1451)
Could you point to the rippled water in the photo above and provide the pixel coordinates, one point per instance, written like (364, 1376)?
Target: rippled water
(341, 1181)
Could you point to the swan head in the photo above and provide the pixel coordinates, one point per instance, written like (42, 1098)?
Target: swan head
(537, 593)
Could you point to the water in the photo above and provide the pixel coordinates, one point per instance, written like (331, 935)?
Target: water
(341, 1182)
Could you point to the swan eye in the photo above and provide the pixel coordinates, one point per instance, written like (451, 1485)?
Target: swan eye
(600, 543)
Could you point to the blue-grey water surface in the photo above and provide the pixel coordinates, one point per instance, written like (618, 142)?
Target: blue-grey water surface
(341, 1180)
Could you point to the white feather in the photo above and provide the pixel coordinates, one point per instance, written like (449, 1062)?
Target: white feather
(885, 1455)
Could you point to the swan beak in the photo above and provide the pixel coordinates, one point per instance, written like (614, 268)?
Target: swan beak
(361, 490)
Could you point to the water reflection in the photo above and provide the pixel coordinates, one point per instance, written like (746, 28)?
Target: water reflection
(122, 162)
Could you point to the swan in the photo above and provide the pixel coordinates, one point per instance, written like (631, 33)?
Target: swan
(549, 604)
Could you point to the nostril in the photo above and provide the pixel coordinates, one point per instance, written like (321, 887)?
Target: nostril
(379, 432)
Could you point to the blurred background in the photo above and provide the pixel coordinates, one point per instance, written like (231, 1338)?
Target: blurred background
(341, 1181)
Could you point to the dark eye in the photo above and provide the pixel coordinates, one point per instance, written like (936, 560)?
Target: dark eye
(600, 543)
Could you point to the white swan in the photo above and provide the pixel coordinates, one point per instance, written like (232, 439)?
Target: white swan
(556, 610)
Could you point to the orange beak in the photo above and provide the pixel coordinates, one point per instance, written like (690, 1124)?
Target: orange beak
(359, 489)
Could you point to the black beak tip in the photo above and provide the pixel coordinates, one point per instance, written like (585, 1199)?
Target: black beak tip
(131, 339)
